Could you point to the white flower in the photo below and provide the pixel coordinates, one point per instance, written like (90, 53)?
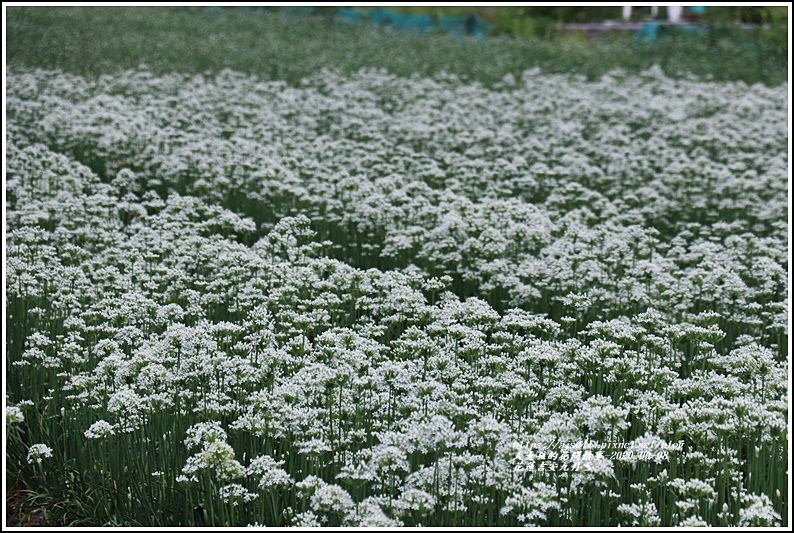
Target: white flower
(235, 493)
(100, 430)
(370, 514)
(217, 456)
(694, 488)
(307, 519)
(270, 472)
(532, 503)
(203, 434)
(332, 498)
(693, 521)
(417, 500)
(38, 452)
(643, 515)
(758, 511)
(14, 415)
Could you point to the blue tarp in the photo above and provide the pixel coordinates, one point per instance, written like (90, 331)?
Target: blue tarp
(654, 31)
(349, 14)
(649, 32)
(457, 25)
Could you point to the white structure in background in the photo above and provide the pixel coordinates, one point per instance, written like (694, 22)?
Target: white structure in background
(654, 12)
(674, 13)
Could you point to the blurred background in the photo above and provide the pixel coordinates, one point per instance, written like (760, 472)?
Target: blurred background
(748, 43)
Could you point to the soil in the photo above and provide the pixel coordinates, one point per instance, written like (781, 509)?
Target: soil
(15, 514)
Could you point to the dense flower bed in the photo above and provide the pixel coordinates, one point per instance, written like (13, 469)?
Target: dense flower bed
(374, 300)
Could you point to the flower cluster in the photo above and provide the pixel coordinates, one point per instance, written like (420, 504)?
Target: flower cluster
(38, 452)
(346, 308)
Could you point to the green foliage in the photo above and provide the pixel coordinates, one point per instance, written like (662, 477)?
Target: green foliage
(94, 41)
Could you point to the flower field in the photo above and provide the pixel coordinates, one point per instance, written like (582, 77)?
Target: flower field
(374, 300)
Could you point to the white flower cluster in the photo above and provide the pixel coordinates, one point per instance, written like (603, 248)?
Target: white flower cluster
(214, 454)
(370, 304)
(14, 415)
(217, 456)
(100, 430)
(630, 191)
(235, 493)
(270, 472)
(38, 452)
(758, 511)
